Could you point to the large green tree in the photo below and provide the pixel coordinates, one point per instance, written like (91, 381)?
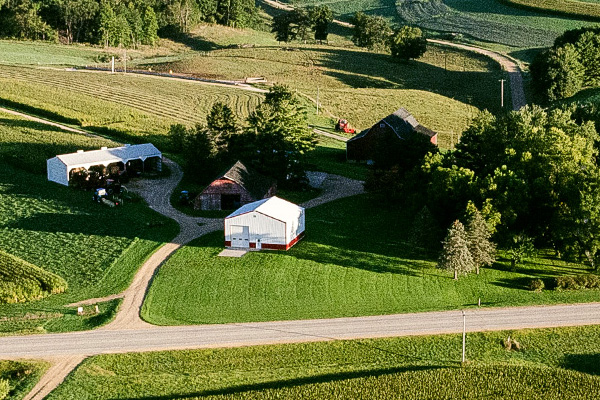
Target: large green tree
(372, 32)
(408, 43)
(280, 136)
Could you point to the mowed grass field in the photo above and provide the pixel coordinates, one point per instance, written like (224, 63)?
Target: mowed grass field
(355, 260)
(588, 9)
(444, 89)
(95, 249)
(553, 364)
(135, 108)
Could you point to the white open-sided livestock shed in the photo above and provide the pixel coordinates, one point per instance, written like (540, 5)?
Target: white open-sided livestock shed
(60, 167)
(271, 223)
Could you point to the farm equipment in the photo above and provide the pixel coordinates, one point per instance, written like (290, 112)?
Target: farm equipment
(110, 197)
(343, 125)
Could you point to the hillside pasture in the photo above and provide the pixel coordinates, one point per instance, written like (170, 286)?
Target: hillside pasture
(443, 90)
(135, 108)
(555, 364)
(348, 265)
(95, 249)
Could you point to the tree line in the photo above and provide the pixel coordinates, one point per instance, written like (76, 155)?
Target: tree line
(117, 22)
(274, 140)
(372, 32)
(568, 66)
(534, 174)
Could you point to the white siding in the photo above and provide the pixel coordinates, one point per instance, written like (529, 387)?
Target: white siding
(265, 228)
(57, 171)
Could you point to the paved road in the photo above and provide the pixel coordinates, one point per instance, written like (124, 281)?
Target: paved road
(246, 334)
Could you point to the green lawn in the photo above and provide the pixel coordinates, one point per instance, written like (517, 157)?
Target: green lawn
(95, 249)
(553, 364)
(354, 261)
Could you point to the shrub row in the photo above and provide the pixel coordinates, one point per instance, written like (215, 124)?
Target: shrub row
(22, 281)
(587, 281)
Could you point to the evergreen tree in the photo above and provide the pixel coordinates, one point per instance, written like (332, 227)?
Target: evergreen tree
(279, 135)
(588, 48)
(223, 125)
(482, 250)
(282, 27)
(455, 255)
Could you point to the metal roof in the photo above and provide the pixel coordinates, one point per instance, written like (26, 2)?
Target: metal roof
(273, 207)
(256, 184)
(401, 122)
(106, 155)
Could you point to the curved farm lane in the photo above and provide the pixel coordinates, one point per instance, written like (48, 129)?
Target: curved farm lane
(511, 67)
(514, 72)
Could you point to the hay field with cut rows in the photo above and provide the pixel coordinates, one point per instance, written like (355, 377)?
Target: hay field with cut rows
(140, 108)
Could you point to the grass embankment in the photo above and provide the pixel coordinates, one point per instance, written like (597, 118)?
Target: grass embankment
(587, 9)
(95, 249)
(355, 260)
(21, 376)
(553, 364)
(22, 281)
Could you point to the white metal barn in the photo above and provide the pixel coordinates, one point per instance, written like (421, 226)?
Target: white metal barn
(60, 167)
(271, 223)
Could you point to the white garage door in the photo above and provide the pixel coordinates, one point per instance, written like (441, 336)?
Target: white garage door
(240, 236)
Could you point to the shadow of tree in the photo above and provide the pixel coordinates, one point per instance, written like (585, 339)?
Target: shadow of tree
(588, 363)
(290, 383)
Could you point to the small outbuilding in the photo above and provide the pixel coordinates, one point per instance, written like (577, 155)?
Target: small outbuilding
(385, 133)
(237, 186)
(271, 223)
(142, 157)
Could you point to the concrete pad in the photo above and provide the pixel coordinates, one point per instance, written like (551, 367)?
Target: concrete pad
(233, 253)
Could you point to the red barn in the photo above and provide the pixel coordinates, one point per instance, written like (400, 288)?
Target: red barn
(391, 129)
(235, 187)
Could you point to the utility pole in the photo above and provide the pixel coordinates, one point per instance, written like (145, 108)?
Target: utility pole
(464, 335)
(502, 93)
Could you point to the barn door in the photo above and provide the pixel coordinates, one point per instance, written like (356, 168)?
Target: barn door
(240, 236)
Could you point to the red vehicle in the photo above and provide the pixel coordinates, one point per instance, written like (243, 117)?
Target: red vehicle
(343, 125)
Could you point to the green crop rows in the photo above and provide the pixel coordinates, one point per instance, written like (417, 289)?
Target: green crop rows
(585, 9)
(559, 363)
(22, 281)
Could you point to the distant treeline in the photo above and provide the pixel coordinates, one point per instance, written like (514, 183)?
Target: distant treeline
(117, 22)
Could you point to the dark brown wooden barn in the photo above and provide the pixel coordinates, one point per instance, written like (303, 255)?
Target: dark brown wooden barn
(235, 187)
(363, 146)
